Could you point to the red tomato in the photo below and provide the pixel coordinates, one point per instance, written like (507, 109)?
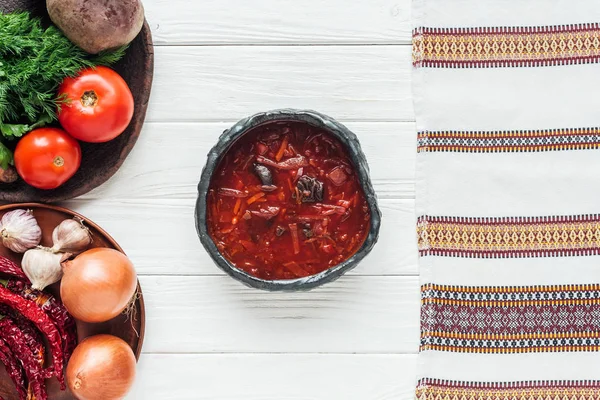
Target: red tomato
(47, 157)
(100, 105)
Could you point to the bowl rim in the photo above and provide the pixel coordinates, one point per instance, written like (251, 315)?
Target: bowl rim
(142, 311)
(318, 120)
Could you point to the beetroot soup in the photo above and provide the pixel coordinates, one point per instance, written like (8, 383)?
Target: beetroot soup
(285, 202)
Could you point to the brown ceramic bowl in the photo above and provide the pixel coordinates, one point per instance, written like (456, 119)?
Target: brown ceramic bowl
(130, 331)
(100, 160)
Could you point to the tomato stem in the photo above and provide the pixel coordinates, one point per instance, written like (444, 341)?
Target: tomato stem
(59, 161)
(89, 98)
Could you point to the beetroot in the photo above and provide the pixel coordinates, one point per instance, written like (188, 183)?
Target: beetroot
(97, 25)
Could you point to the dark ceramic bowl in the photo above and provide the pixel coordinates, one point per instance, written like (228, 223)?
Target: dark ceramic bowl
(99, 161)
(317, 120)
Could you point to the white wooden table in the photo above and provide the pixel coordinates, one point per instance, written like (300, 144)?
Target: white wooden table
(207, 336)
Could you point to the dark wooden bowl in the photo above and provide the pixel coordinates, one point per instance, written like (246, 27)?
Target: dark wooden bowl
(100, 160)
(131, 331)
(313, 119)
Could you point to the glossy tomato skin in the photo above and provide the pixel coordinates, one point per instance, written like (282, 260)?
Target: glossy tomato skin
(47, 157)
(99, 106)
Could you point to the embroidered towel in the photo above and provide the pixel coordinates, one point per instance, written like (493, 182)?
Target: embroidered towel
(507, 100)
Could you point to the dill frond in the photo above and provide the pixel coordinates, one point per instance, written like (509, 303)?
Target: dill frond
(33, 63)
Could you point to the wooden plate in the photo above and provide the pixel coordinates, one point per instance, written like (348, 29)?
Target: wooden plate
(49, 217)
(100, 160)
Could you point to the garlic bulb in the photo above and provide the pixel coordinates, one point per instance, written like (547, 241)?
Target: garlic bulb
(42, 266)
(20, 231)
(71, 236)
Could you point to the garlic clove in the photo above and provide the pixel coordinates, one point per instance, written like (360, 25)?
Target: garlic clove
(43, 267)
(20, 231)
(71, 236)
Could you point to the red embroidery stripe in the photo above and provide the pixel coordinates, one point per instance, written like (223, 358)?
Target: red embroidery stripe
(515, 30)
(510, 385)
(511, 289)
(551, 219)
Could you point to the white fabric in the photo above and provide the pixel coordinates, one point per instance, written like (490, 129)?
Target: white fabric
(506, 98)
(475, 13)
(510, 367)
(509, 183)
(510, 272)
(512, 184)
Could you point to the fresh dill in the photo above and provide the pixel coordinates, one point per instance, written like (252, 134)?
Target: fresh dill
(33, 62)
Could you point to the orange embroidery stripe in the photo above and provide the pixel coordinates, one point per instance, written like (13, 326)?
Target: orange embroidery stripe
(436, 389)
(510, 350)
(506, 46)
(509, 237)
(511, 289)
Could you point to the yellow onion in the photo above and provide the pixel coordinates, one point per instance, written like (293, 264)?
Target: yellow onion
(98, 284)
(102, 367)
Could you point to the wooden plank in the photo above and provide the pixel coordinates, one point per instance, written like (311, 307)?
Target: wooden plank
(216, 314)
(275, 377)
(214, 22)
(361, 83)
(160, 236)
(173, 154)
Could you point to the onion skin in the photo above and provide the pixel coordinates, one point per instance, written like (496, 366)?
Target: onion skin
(98, 284)
(102, 367)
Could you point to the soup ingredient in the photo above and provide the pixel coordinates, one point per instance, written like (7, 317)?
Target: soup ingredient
(10, 268)
(23, 309)
(232, 193)
(19, 230)
(265, 176)
(286, 202)
(8, 174)
(35, 60)
(102, 368)
(71, 236)
(47, 157)
(33, 313)
(308, 190)
(108, 24)
(15, 338)
(99, 105)
(32, 337)
(6, 162)
(14, 369)
(98, 284)
(291, 163)
(34, 342)
(42, 267)
(53, 308)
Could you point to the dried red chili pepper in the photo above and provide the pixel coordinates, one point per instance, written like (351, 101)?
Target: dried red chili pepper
(34, 339)
(30, 310)
(53, 309)
(10, 268)
(14, 369)
(15, 338)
